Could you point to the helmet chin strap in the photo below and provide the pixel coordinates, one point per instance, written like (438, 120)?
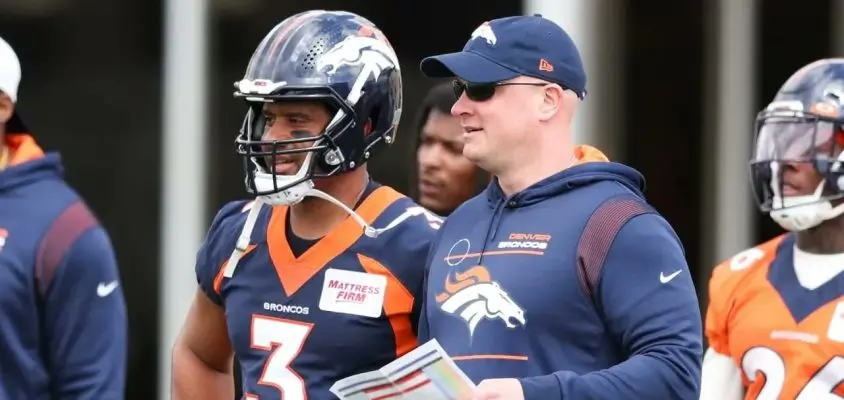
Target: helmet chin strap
(800, 217)
(799, 213)
(297, 193)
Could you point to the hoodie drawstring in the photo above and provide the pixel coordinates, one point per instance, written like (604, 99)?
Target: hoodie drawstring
(492, 227)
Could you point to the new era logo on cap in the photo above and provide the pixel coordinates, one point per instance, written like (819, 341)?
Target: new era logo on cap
(505, 48)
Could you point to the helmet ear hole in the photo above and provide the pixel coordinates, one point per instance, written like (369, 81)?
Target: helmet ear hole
(367, 127)
(372, 121)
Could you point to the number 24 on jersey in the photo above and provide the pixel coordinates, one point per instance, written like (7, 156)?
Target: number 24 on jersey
(819, 387)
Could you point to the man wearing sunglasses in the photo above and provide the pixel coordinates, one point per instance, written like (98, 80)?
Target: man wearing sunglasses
(559, 281)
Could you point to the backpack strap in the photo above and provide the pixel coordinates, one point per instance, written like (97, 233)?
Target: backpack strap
(598, 235)
(75, 220)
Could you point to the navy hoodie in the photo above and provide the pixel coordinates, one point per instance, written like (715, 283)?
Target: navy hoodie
(63, 322)
(505, 299)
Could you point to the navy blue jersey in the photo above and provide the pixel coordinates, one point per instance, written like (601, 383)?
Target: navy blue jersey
(349, 304)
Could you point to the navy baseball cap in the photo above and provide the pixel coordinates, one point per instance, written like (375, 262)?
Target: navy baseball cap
(505, 48)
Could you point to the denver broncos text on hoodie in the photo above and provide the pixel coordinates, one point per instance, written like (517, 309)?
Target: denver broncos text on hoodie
(506, 300)
(63, 320)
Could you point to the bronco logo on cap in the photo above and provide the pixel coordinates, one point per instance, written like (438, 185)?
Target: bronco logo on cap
(485, 31)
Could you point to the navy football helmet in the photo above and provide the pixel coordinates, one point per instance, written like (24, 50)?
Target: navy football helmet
(335, 57)
(802, 126)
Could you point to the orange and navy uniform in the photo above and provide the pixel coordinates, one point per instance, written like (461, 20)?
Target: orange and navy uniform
(63, 324)
(787, 340)
(348, 304)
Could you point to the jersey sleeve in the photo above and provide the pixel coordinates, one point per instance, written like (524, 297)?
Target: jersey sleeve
(420, 321)
(717, 312)
(423, 332)
(421, 232)
(219, 242)
(404, 251)
(725, 285)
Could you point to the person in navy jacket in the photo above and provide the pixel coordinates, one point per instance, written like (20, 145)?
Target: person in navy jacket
(64, 322)
(559, 281)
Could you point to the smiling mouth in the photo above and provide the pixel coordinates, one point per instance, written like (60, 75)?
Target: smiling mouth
(791, 191)
(288, 167)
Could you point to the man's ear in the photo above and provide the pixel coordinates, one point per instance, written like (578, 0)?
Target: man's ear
(552, 100)
(7, 107)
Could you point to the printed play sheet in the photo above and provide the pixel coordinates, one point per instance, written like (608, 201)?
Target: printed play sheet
(426, 373)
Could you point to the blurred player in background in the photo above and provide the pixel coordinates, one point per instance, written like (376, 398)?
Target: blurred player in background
(319, 293)
(63, 322)
(446, 177)
(775, 321)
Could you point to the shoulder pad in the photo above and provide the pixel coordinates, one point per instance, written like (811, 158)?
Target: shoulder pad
(727, 275)
(228, 215)
(219, 242)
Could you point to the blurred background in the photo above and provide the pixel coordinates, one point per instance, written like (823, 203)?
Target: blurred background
(137, 96)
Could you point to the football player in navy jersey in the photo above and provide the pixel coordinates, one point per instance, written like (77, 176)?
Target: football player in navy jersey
(317, 278)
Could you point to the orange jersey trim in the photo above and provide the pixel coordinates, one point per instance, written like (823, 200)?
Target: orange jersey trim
(294, 272)
(398, 305)
(727, 280)
(23, 148)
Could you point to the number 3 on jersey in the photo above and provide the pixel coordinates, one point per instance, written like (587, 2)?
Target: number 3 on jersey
(819, 387)
(283, 339)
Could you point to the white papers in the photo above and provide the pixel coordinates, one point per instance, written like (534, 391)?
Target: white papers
(426, 373)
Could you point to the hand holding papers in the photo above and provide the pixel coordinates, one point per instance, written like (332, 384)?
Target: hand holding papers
(426, 373)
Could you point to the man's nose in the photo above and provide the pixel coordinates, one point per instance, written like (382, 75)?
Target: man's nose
(792, 167)
(429, 157)
(461, 106)
(274, 133)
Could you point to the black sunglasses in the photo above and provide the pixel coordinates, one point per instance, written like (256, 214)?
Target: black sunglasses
(484, 91)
